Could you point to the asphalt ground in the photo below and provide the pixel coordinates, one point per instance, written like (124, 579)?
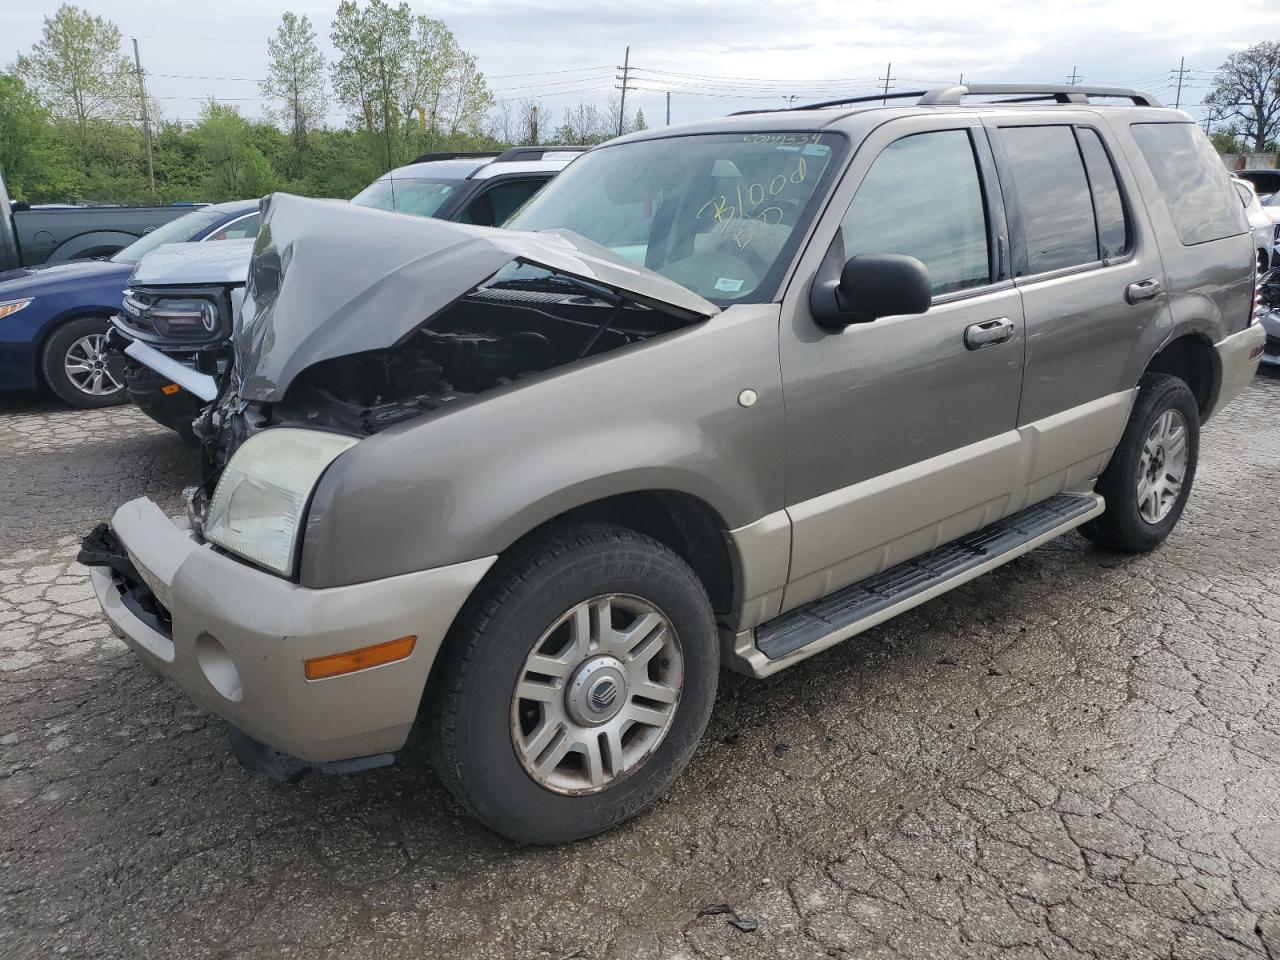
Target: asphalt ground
(1073, 757)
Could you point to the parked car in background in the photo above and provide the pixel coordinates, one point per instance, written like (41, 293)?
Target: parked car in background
(1266, 181)
(732, 391)
(481, 189)
(53, 317)
(1269, 314)
(57, 233)
(1261, 224)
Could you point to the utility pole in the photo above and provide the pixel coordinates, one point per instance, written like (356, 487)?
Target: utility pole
(887, 78)
(146, 121)
(668, 108)
(533, 125)
(1182, 72)
(622, 106)
(1075, 78)
(791, 99)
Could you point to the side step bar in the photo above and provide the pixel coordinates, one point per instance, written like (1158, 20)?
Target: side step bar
(814, 627)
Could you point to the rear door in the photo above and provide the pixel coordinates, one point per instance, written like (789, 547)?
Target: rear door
(1091, 280)
(900, 432)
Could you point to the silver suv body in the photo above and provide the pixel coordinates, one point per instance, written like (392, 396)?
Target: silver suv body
(727, 392)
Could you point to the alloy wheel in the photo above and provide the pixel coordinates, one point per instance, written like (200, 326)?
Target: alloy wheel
(88, 367)
(597, 694)
(1163, 467)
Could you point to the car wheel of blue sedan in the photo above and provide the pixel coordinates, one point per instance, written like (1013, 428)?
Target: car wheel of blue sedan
(77, 367)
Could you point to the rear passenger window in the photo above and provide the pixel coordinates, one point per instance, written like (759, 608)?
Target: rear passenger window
(1192, 179)
(1108, 205)
(1056, 212)
(922, 198)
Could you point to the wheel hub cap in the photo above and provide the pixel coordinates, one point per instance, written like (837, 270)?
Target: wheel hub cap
(597, 694)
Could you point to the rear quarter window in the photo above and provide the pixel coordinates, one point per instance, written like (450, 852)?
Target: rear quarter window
(1192, 180)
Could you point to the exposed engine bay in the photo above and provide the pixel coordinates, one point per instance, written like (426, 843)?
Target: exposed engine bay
(523, 322)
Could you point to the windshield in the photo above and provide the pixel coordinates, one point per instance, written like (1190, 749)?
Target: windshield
(414, 195)
(720, 214)
(183, 229)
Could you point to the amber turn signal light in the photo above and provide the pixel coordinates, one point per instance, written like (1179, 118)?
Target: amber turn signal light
(169, 389)
(336, 664)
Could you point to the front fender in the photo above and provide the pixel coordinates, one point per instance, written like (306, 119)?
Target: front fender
(469, 482)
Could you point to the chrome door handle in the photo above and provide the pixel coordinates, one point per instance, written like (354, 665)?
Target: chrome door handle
(988, 333)
(1141, 290)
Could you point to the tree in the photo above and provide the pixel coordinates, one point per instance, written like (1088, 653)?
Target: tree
(32, 159)
(405, 80)
(236, 168)
(638, 123)
(1246, 88)
(295, 80)
(78, 72)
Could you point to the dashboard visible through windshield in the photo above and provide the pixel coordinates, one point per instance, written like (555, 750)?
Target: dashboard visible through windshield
(720, 214)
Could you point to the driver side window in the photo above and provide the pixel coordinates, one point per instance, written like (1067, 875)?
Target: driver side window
(922, 197)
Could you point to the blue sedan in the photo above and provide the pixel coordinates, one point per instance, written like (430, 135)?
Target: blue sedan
(53, 318)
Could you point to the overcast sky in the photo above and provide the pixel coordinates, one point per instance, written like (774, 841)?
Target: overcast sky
(714, 57)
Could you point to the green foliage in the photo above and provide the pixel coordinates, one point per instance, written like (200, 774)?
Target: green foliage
(638, 123)
(1227, 141)
(79, 74)
(295, 82)
(33, 161)
(70, 111)
(236, 166)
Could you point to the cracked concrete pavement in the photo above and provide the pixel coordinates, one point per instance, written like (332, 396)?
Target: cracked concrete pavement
(1074, 757)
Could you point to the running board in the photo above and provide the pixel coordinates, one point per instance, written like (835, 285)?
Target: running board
(825, 622)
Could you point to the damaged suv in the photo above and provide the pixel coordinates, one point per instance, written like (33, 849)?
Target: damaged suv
(731, 392)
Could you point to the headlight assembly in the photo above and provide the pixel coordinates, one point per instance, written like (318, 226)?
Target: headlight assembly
(261, 499)
(9, 307)
(173, 317)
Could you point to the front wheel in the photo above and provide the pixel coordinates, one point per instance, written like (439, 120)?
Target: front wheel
(576, 685)
(77, 367)
(1149, 478)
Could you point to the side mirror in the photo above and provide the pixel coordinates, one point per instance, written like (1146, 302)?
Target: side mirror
(870, 286)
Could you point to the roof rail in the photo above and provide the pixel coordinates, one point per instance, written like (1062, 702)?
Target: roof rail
(868, 98)
(1031, 92)
(454, 155)
(535, 153)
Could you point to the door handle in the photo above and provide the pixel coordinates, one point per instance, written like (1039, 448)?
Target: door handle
(1141, 290)
(979, 335)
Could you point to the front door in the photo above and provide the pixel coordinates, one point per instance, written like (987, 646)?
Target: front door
(901, 433)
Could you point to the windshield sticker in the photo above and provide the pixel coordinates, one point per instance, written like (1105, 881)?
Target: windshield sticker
(727, 285)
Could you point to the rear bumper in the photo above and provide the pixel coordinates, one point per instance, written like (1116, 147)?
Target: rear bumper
(1237, 360)
(236, 638)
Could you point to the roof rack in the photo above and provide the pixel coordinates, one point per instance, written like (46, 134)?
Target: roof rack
(534, 153)
(454, 155)
(1017, 93)
(1032, 92)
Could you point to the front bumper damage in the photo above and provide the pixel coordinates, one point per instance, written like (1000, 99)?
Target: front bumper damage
(235, 639)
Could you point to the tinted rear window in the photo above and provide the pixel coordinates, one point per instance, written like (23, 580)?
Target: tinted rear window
(1055, 209)
(1195, 185)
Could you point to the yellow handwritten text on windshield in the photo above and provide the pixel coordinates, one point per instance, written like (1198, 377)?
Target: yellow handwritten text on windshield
(738, 214)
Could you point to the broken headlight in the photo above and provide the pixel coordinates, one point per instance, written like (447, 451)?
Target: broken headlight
(260, 503)
(173, 317)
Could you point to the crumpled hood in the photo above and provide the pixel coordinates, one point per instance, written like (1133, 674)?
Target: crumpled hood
(330, 279)
(190, 264)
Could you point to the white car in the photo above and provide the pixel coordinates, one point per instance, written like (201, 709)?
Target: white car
(1264, 221)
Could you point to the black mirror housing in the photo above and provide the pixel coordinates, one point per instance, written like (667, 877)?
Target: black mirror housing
(870, 286)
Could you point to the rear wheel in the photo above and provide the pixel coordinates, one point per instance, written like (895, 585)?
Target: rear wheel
(77, 368)
(1149, 478)
(576, 686)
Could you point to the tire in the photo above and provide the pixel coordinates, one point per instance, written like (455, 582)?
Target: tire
(480, 734)
(80, 341)
(1125, 527)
